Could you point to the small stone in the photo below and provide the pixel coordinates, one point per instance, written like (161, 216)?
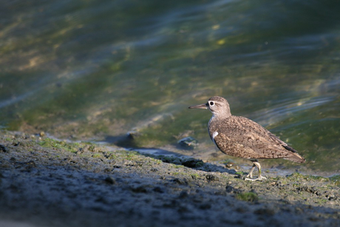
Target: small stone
(205, 206)
(158, 189)
(220, 192)
(232, 189)
(331, 197)
(229, 189)
(109, 180)
(181, 181)
(139, 189)
(183, 195)
(298, 210)
(3, 148)
(241, 209)
(265, 211)
(107, 170)
(16, 143)
(314, 219)
(211, 177)
(31, 164)
(41, 134)
(80, 150)
(230, 164)
(192, 163)
(183, 208)
(194, 177)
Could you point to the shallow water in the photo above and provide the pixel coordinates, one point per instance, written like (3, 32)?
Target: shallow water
(99, 69)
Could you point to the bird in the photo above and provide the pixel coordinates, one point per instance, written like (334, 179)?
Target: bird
(241, 137)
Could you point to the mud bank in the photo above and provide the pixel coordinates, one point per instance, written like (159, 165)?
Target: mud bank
(44, 182)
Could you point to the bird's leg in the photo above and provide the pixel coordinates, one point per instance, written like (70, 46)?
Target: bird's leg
(250, 175)
(260, 177)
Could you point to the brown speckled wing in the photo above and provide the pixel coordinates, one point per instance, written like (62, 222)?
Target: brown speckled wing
(242, 137)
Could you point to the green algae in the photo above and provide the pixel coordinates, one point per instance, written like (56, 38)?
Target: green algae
(247, 196)
(57, 144)
(335, 179)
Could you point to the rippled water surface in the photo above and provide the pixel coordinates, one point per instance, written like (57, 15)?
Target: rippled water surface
(95, 70)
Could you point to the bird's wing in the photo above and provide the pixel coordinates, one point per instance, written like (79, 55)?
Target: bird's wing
(245, 138)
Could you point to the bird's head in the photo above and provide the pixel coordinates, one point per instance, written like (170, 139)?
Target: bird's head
(218, 106)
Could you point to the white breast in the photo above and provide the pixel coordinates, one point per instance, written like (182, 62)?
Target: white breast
(214, 135)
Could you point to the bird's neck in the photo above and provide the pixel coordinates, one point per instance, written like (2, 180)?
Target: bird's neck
(216, 118)
(220, 116)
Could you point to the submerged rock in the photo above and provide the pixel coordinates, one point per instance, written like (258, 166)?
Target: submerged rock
(188, 143)
(133, 134)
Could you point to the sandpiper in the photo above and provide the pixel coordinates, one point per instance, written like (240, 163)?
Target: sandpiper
(241, 137)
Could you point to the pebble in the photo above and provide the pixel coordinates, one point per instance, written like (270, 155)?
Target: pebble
(110, 180)
(265, 211)
(205, 206)
(211, 177)
(158, 189)
(183, 195)
(180, 181)
(15, 143)
(3, 148)
(192, 163)
(139, 189)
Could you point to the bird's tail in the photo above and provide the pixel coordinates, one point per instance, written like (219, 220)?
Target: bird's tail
(295, 157)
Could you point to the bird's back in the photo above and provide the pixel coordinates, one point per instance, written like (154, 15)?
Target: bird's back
(242, 137)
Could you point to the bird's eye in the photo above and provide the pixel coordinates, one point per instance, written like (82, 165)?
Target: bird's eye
(211, 103)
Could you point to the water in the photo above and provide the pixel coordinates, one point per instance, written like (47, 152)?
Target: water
(95, 70)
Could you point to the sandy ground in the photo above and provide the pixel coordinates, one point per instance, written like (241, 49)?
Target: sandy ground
(44, 182)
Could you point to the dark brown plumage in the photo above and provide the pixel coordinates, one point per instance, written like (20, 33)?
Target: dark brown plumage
(242, 137)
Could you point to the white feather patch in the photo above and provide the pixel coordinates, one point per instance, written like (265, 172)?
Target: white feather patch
(214, 135)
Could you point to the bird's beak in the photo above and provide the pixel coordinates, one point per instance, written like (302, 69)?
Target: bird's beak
(202, 106)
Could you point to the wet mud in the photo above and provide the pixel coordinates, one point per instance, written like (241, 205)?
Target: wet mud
(46, 182)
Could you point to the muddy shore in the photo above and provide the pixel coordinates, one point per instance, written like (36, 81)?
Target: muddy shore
(45, 182)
